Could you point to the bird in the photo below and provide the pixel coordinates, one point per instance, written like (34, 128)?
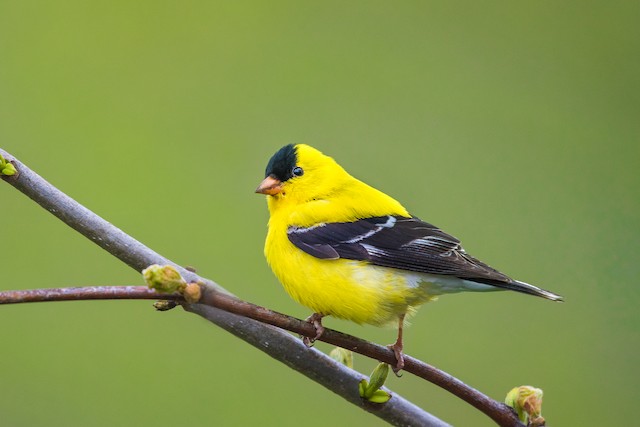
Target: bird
(345, 249)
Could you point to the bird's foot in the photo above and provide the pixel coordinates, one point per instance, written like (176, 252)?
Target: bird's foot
(397, 347)
(316, 320)
(397, 350)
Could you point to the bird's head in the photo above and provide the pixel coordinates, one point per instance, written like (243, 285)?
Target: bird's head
(300, 173)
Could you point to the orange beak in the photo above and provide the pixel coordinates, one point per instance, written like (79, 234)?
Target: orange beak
(270, 186)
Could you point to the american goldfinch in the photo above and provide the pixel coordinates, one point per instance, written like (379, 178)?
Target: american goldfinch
(342, 248)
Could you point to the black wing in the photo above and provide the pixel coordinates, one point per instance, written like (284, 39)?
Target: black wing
(397, 242)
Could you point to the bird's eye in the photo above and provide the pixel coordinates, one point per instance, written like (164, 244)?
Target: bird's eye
(297, 171)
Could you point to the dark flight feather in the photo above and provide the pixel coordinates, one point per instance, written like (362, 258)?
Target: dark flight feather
(403, 243)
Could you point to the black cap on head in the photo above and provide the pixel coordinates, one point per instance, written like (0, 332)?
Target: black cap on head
(282, 163)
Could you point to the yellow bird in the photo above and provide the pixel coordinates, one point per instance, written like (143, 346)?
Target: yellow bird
(342, 248)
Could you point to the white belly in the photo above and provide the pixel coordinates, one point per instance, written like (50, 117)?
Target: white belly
(438, 284)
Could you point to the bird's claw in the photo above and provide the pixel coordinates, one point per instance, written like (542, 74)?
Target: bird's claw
(316, 320)
(397, 350)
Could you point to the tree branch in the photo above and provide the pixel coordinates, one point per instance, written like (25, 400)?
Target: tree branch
(223, 309)
(84, 294)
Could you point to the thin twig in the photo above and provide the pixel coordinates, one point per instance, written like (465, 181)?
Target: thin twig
(289, 350)
(84, 294)
(261, 314)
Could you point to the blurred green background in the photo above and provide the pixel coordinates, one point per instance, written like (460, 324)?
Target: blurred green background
(513, 126)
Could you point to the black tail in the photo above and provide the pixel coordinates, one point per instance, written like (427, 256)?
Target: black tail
(526, 288)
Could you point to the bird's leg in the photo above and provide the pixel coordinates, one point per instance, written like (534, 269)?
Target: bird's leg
(316, 320)
(397, 347)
